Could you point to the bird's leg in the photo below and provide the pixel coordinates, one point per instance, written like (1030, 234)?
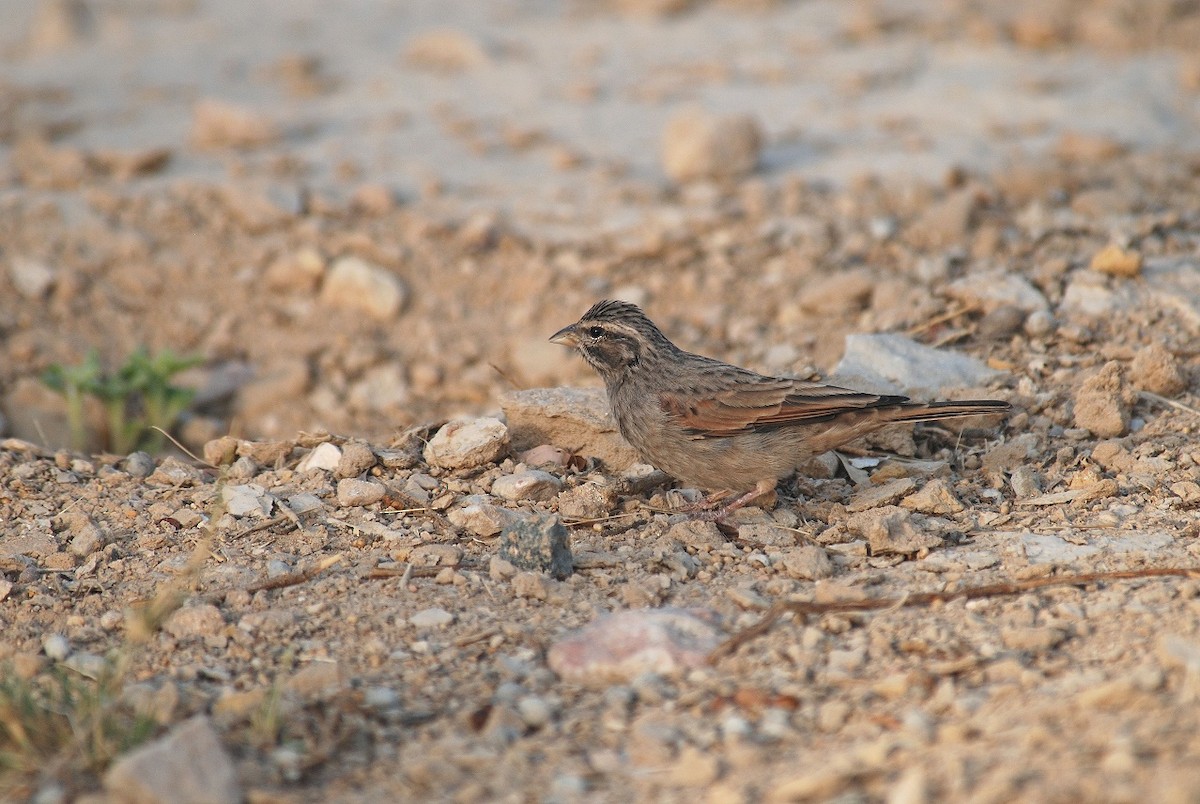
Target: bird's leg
(761, 489)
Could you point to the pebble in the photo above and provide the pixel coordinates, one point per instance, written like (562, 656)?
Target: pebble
(277, 568)
(357, 285)
(465, 443)
(578, 417)
(171, 472)
(532, 484)
(481, 518)
(697, 534)
(318, 681)
(201, 620)
(807, 563)
(935, 497)
(1103, 403)
(189, 764)
(529, 585)
(1116, 261)
(243, 468)
(537, 712)
(619, 647)
(381, 699)
(324, 456)
(256, 210)
(1156, 370)
(762, 534)
(1046, 548)
(842, 292)
(1032, 639)
(997, 290)
(947, 222)
(431, 618)
(592, 500)
(445, 50)
(353, 492)
(433, 555)
(297, 271)
(32, 278)
(1088, 295)
(88, 665)
(892, 530)
(894, 363)
(217, 125)
(700, 145)
(886, 494)
(88, 536)
(1026, 482)
(249, 499)
(1001, 323)
(139, 464)
(304, 503)
(538, 543)
(356, 459)
(500, 570)
(503, 726)
(545, 455)
(56, 647)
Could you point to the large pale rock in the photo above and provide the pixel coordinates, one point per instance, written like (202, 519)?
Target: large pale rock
(187, 766)
(890, 363)
(464, 443)
(576, 418)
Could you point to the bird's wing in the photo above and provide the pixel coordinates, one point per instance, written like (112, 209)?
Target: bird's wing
(761, 403)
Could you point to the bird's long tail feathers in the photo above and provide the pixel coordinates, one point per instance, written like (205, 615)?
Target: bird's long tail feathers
(931, 411)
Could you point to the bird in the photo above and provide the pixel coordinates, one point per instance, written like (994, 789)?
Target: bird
(721, 428)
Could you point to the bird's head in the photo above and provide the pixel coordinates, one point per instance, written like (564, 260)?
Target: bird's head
(614, 337)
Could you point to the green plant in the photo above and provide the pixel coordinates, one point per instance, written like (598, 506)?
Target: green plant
(137, 398)
(61, 721)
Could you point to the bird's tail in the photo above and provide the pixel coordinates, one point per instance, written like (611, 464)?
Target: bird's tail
(931, 411)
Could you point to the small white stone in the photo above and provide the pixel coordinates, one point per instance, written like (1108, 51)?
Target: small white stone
(533, 484)
(249, 499)
(303, 503)
(31, 278)
(353, 283)
(56, 647)
(352, 492)
(324, 456)
(481, 519)
(195, 621)
(431, 618)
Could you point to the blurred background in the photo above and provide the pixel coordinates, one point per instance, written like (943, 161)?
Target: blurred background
(362, 215)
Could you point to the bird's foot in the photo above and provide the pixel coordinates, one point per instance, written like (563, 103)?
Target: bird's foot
(711, 513)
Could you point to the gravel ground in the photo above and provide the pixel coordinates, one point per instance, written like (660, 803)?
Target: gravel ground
(364, 237)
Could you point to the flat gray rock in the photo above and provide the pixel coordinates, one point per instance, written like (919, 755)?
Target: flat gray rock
(893, 364)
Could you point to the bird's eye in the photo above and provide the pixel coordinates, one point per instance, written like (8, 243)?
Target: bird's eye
(595, 332)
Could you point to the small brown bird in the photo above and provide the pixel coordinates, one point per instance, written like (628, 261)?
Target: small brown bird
(723, 428)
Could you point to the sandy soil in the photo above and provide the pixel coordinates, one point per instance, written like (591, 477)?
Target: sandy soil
(368, 223)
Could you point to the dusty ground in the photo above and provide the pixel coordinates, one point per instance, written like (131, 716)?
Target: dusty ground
(950, 174)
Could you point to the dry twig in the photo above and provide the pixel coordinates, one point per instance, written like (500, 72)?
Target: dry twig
(806, 607)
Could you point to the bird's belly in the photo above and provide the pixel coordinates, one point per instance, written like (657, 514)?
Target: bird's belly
(733, 463)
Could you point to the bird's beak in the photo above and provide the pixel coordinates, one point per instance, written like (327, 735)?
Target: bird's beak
(566, 336)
